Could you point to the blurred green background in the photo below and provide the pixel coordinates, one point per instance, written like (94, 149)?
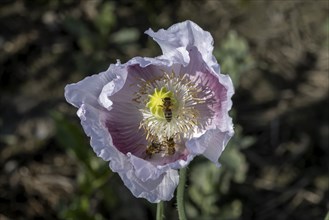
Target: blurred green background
(275, 167)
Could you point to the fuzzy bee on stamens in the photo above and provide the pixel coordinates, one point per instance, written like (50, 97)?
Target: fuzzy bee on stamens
(170, 143)
(154, 148)
(166, 107)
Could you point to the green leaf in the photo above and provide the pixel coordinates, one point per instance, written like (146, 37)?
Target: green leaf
(234, 56)
(327, 216)
(126, 35)
(106, 18)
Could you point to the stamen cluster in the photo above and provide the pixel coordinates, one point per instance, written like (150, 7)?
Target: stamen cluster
(168, 105)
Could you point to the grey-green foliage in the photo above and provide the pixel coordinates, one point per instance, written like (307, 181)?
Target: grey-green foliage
(93, 173)
(100, 39)
(325, 31)
(88, 39)
(208, 182)
(234, 56)
(125, 35)
(105, 19)
(327, 216)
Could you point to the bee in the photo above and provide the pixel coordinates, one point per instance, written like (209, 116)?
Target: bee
(170, 143)
(154, 148)
(166, 107)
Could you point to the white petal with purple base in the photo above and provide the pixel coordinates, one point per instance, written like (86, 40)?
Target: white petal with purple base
(112, 120)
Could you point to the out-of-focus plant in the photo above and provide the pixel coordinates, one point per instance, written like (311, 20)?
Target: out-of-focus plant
(92, 175)
(234, 57)
(105, 19)
(325, 30)
(99, 39)
(327, 216)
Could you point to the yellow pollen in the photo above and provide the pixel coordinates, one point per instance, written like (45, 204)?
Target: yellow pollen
(155, 103)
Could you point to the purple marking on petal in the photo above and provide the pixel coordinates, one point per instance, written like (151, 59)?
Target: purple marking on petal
(122, 123)
(124, 117)
(147, 73)
(218, 83)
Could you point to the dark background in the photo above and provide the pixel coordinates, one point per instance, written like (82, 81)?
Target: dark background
(275, 167)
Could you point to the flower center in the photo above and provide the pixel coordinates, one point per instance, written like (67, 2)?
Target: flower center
(161, 103)
(170, 107)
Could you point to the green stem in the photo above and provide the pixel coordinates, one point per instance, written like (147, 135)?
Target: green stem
(160, 211)
(180, 194)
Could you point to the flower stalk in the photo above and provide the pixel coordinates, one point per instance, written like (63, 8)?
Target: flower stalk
(180, 194)
(160, 211)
